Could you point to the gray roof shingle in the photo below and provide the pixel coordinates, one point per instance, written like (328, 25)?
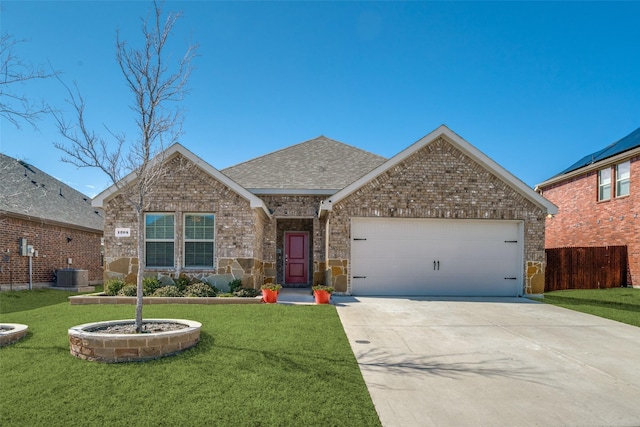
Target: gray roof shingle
(28, 191)
(318, 164)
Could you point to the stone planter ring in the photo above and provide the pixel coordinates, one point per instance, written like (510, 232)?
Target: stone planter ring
(12, 332)
(90, 342)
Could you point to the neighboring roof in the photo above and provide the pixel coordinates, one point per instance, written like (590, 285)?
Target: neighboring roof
(625, 144)
(28, 192)
(174, 150)
(320, 165)
(622, 147)
(462, 145)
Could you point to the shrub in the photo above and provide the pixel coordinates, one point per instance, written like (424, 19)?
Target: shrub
(149, 285)
(128, 291)
(182, 283)
(168, 291)
(246, 292)
(112, 287)
(234, 285)
(201, 290)
(328, 289)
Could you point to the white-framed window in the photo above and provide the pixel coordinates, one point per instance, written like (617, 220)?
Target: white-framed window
(199, 240)
(623, 173)
(604, 184)
(159, 236)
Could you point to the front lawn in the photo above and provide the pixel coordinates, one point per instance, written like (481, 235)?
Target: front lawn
(256, 365)
(621, 304)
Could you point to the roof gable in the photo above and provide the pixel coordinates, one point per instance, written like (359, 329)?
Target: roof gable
(173, 151)
(320, 165)
(27, 191)
(463, 146)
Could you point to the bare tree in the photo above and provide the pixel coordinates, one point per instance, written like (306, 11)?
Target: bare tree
(15, 106)
(135, 166)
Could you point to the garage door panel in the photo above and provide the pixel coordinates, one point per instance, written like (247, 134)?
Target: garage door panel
(436, 257)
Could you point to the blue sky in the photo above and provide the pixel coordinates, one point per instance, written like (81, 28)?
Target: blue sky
(535, 86)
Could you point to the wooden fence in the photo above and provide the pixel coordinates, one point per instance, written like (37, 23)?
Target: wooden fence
(586, 268)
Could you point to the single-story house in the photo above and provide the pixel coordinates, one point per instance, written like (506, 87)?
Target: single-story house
(599, 202)
(438, 218)
(46, 224)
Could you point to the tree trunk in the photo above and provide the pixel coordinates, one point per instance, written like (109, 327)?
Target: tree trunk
(141, 263)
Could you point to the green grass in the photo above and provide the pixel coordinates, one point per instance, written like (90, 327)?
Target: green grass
(256, 365)
(620, 304)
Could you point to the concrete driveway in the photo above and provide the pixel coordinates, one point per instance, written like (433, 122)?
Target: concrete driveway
(492, 362)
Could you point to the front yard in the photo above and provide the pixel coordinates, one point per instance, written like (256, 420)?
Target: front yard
(256, 365)
(620, 304)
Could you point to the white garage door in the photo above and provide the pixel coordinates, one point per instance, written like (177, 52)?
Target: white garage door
(437, 257)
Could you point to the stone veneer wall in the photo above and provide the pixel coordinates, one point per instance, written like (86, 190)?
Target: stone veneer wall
(438, 181)
(293, 213)
(185, 188)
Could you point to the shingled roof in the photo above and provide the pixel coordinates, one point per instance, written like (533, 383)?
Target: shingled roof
(28, 192)
(320, 165)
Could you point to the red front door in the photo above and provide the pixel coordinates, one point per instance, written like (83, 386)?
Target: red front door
(296, 257)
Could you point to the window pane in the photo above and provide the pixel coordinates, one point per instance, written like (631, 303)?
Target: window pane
(159, 254)
(198, 254)
(199, 227)
(622, 189)
(604, 184)
(623, 172)
(159, 226)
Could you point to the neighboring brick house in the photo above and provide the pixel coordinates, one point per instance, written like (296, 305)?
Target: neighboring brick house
(439, 218)
(599, 202)
(57, 221)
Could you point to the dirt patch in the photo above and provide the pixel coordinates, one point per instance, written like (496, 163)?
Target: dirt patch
(147, 328)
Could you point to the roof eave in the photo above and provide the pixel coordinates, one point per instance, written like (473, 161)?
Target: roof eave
(254, 202)
(589, 168)
(465, 147)
(293, 191)
(52, 222)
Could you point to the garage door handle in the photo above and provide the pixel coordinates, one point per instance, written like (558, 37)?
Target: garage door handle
(359, 239)
(436, 265)
(510, 278)
(359, 277)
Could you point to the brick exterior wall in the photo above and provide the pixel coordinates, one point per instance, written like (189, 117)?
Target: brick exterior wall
(54, 250)
(294, 213)
(185, 188)
(584, 221)
(438, 181)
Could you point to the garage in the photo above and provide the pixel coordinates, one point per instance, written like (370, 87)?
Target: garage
(436, 257)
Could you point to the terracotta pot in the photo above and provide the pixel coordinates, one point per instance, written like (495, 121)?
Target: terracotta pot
(269, 296)
(322, 297)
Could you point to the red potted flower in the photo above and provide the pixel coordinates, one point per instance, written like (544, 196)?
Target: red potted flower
(270, 292)
(322, 293)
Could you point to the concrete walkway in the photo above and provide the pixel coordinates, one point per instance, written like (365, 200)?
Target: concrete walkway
(493, 362)
(296, 296)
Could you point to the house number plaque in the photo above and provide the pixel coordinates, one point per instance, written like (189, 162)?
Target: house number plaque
(123, 232)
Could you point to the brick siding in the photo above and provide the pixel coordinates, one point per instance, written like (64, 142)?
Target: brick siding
(54, 250)
(294, 213)
(583, 221)
(185, 188)
(438, 181)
